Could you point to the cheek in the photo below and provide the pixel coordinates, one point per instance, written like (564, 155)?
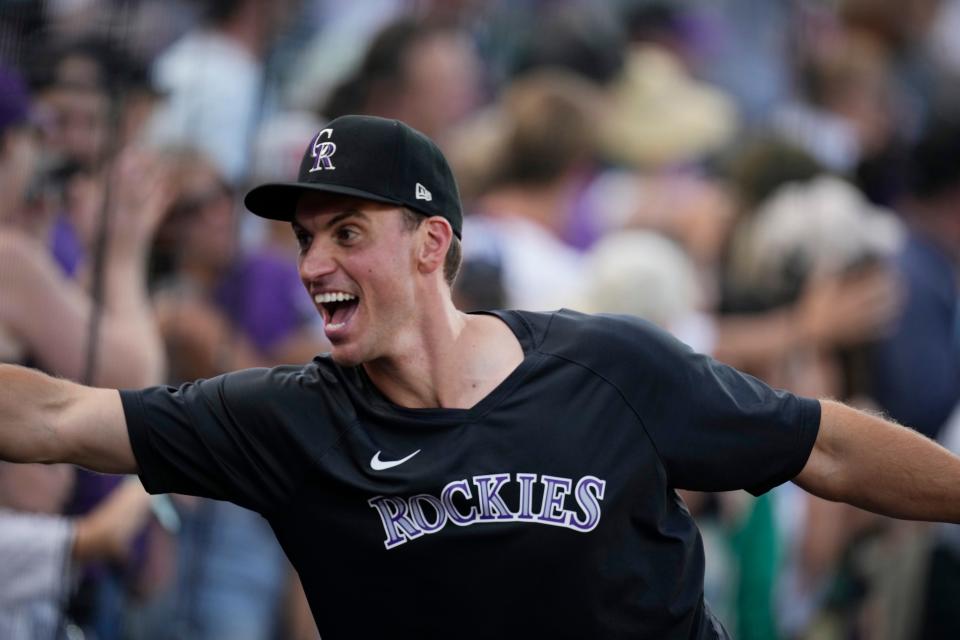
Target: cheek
(388, 286)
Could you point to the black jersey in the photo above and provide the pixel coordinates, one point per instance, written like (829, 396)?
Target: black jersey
(548, 510)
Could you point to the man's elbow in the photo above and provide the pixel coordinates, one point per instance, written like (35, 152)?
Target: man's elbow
(824, 475)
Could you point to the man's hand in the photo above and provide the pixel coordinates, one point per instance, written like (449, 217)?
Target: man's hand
(882, 467)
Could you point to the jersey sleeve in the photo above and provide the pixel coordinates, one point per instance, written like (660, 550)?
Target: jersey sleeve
(714, 427)
(220, 438)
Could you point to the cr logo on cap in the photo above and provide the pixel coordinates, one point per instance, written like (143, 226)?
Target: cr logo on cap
(323, 151)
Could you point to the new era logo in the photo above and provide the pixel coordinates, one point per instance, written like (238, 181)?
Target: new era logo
(423, 194)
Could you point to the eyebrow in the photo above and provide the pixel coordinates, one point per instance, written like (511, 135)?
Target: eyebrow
(334, 220)
(343, 216)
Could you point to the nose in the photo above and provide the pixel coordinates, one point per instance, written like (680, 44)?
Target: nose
(316, 262)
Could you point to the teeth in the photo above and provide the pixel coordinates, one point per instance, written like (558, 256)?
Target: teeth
(335, 326)
(333, 296)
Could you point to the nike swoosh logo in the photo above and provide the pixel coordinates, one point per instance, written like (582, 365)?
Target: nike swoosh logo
(379, 465)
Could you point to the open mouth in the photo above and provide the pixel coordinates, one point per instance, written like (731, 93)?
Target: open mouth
(337, 308)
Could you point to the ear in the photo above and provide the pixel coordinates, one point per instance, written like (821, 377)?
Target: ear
(435, 238)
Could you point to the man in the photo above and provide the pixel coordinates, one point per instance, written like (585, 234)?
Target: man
(440, 474)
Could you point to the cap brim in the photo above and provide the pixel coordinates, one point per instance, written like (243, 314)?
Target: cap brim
(278, 201)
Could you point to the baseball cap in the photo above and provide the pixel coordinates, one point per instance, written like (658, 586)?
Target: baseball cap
(368, 157)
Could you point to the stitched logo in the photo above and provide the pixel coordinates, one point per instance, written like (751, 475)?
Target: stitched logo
(379, 465)
(322, 151)
(423, 194)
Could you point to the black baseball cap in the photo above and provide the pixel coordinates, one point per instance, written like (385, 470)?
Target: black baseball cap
(368, 157)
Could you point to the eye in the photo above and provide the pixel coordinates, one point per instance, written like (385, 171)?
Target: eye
(346, 234)
(303, 239)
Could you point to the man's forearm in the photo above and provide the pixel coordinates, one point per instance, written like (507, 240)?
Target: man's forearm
(29, 400)
(882, 467)
(45, 419)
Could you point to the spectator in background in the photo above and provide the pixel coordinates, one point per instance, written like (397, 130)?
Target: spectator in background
(844, 110)
(917, 367)
(220, 308)
(901, 27)
(49, 326)
(534, 174)
(74, 87)
(583, 39)
(756, 333)
(75, 83)
(94, 100)
(424, 73)
(662, 127)
(645, 274)
(341, 35)
(804, 231)
(41, 551)
(213, 78)
(662, 117)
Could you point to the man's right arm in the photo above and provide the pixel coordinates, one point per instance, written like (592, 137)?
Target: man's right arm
(45, 419)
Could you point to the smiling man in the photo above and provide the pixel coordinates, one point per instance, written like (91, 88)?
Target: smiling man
(447, 475)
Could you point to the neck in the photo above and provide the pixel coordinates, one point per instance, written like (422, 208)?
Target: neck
(450, 360)
(414, 374)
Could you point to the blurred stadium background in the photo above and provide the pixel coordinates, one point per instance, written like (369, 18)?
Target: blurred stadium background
(777, 182)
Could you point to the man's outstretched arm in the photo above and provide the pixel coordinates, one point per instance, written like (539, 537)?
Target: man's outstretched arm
(882, 467)
(45, 419)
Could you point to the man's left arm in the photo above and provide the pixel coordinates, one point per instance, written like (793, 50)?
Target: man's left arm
(876, 465)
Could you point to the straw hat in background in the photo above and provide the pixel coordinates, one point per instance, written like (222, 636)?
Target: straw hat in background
(661, 116)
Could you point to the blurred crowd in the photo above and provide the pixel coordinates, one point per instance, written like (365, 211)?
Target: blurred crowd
(776, 182)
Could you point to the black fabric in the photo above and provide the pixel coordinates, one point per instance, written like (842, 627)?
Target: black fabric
(546, 510)
(368, 157)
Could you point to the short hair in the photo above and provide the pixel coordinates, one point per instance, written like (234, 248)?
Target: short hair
(383, 64)
(451, 262)
(550, 128)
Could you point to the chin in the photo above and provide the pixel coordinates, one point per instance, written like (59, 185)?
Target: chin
(346, 357)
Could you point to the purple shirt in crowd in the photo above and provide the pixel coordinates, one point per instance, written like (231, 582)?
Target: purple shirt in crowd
(263, 296)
